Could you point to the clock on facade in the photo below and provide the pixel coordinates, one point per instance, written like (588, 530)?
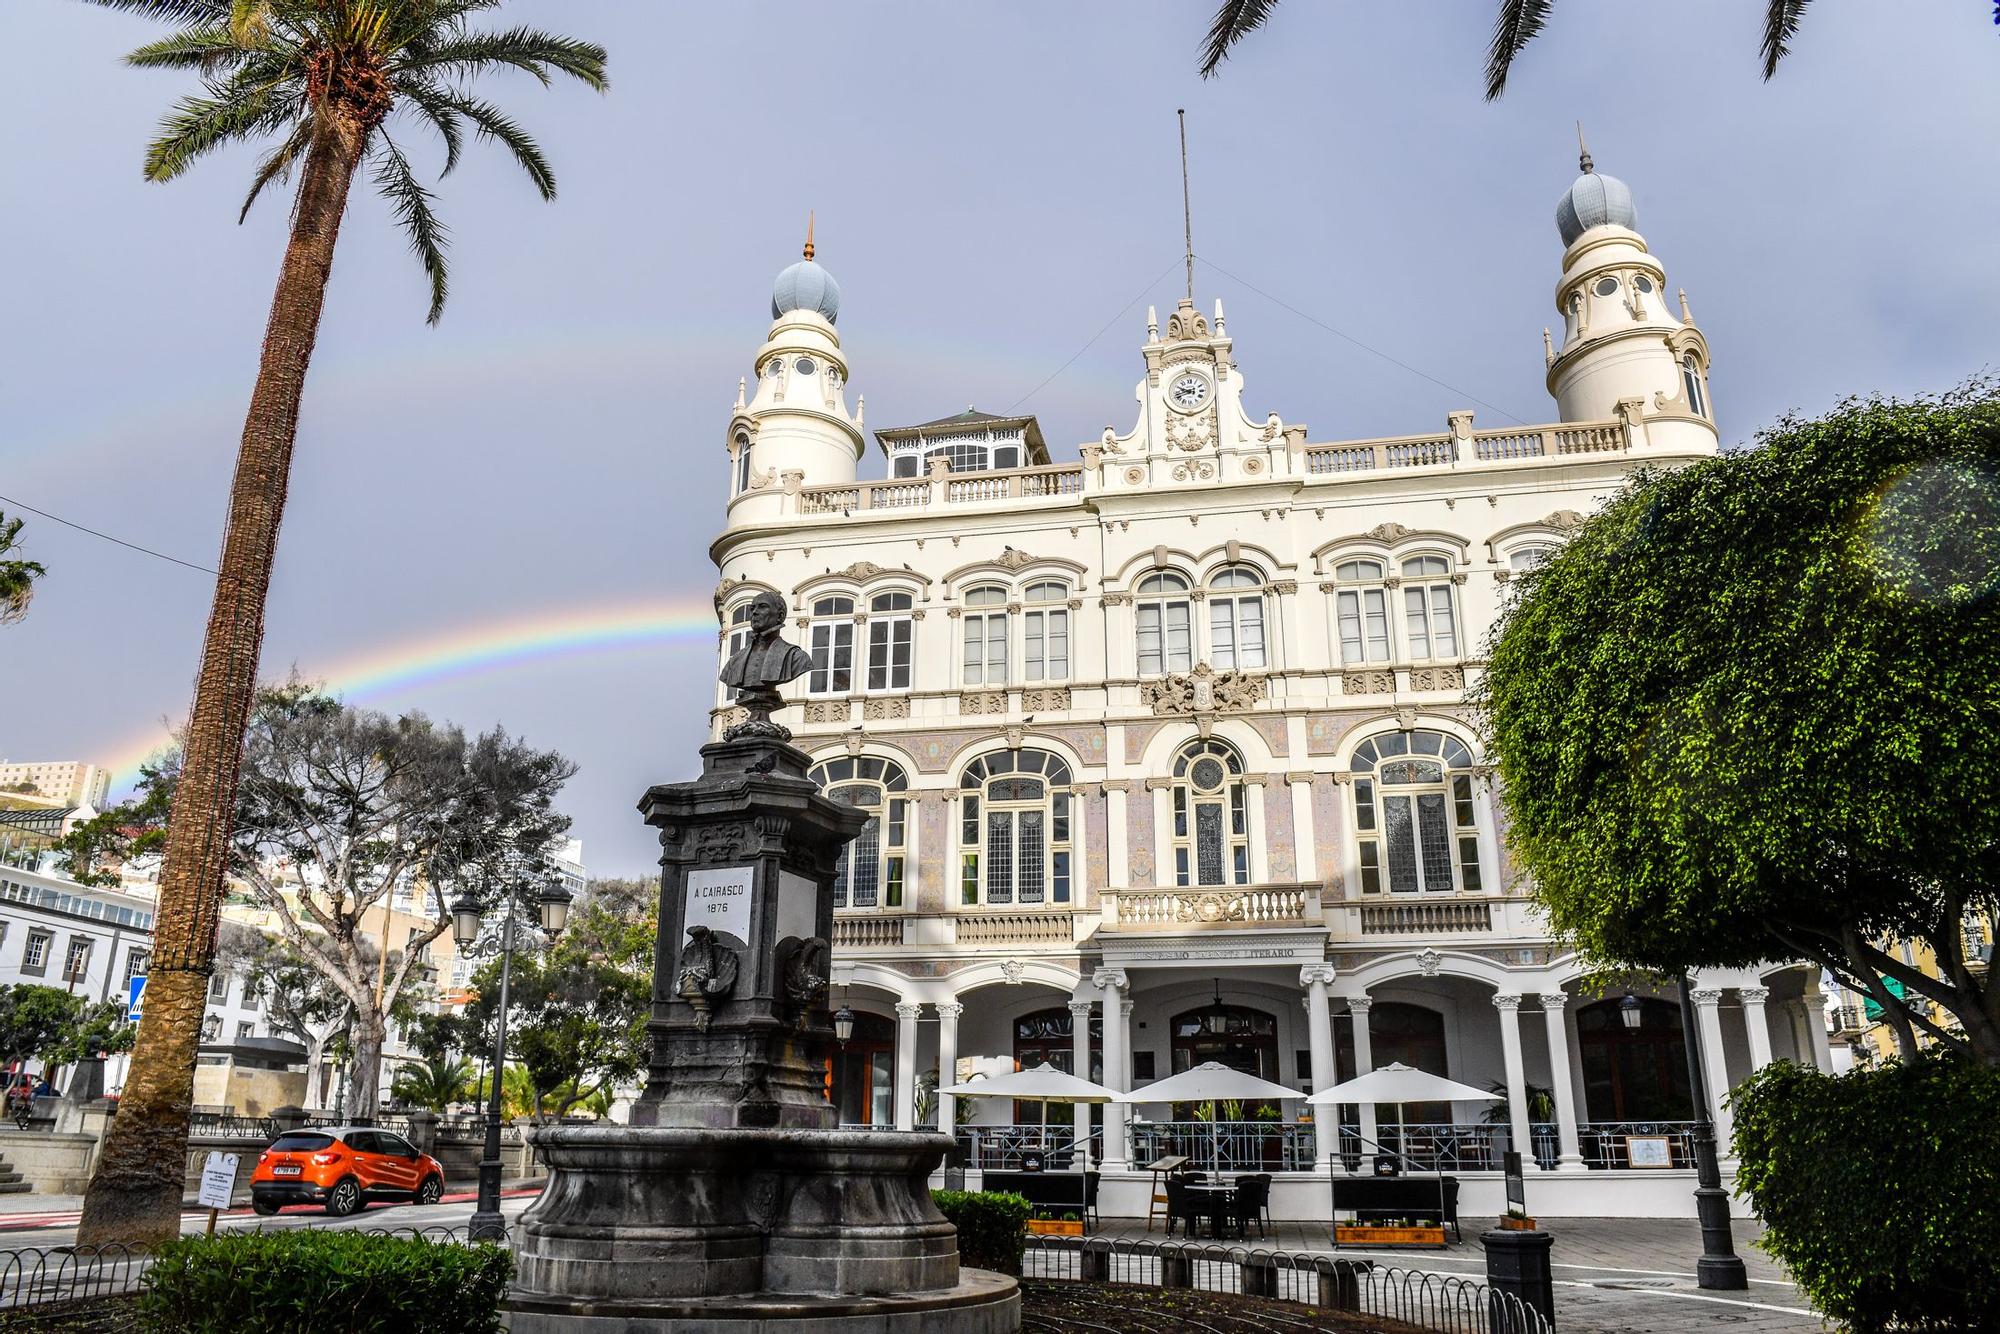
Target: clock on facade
(1188, 391)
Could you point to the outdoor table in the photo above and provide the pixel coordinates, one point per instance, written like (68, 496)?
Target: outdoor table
(1212, 1202)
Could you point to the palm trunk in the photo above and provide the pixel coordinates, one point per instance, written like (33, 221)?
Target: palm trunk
(135, 1192)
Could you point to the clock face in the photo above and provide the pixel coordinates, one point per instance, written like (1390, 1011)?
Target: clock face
(1188, 391)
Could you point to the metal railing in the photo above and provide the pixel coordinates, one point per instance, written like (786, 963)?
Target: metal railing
(1603, 1143)
(232, 1124)
(1003, 1148)
(1445, 1303)
(1428, 1146)
(1238, 1146)
(46, 1277)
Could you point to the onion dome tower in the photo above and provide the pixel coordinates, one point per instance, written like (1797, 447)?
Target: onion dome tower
(1626, 349)
(794, 429)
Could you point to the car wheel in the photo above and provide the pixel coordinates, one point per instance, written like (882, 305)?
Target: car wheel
(263, 1208)
(429, 1192)
(346, 1198)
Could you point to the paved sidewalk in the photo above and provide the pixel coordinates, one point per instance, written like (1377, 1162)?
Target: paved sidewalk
(1613, 1275)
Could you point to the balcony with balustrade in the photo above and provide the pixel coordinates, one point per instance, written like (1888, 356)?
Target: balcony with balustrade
(860, 932)
(1199, 908)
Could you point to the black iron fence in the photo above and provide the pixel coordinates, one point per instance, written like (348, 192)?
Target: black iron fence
(1444, 1303)
(46, 1276)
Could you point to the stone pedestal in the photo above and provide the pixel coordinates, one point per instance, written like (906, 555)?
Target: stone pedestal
(732, 1203)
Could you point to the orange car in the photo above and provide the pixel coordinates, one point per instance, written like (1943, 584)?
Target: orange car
(343, 1168)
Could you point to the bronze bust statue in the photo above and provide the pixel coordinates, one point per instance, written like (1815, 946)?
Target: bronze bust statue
(761, 666)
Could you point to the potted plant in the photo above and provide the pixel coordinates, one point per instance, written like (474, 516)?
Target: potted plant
(1068, 1225)
(1516, 1219)
(1389, 1232)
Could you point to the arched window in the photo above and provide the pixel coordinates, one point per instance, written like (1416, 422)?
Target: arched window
(739, 629)
(832, 647)
(889, 641)
(1232, 1035)
(1166, 639)
(963, 458)
(1211, 824)
(1014, 829)
(1047, 1037)
(906, 465)
(1045, 632)
(1400, 1034)
(742, 463)
(1427, 607)
(1528, 557)
(985, 622)
(870, 872)
(1414, 814)
(1691, 380)
(1362, 611)
(1236, 618)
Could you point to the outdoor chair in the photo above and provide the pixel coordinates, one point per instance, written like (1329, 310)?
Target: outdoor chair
(1090, 1215)
(1181, 1208)
(1251, 1202)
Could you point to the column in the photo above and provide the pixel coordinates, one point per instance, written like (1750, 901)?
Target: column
(1561, 1086)
(1714, 1070)
(1815, 1008)
(906, 1064)
(1756, 1025)
(1364, 1061)
(947, 1105)
(1509, 1006)
(1112, 981)
(1079, 1059)
(1316, 977)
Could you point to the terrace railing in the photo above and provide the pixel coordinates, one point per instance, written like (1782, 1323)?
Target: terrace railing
(1236, 1146)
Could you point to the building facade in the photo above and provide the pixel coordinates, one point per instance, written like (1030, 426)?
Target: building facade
(1170, 758)
(69, 781)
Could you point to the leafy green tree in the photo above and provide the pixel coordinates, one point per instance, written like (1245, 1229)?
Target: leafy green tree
(97, 1029)
(577, 1023)
(1752, 711)
(1514, 26)
(33, 1020)
(323, 82)
(91, 853)
(436, 1083)
(17, 574)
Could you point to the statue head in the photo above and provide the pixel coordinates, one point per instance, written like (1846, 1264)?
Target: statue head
(767, 612)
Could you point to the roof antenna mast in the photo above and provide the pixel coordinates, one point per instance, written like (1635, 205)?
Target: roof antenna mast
(1582, 151)
(1187, 211)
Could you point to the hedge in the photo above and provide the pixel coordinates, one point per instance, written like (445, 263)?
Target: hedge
(992, 1227)
(312, 1281)
(1880, 1189)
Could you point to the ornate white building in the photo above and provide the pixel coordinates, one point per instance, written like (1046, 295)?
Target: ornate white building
(1170, 757)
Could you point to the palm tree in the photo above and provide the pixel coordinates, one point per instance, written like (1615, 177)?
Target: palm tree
(322, 81)
(1515, 26)
(17, 576)
(435, 1083)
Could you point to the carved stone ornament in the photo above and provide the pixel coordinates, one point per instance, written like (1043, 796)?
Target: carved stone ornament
(1429, 961)
(984, 701)
(1201, 471)
(1186, 322)
(1564, 521)
(706, 974)
(1191, 433)
(1203, 690)
(1437, 678)
(1053, 699)
(822, 711)
(1252, 466)
(1389, 532)
(1134, 476)
(719, 843)
(805, 969)
(1012, 969)
(1011, 559)
(881, 710)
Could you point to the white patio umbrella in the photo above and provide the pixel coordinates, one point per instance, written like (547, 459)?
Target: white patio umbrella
(1211, 1082)
(1398, 1083)
(1042, 1084)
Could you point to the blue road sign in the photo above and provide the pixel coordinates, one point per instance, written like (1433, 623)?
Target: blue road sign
(136, 998)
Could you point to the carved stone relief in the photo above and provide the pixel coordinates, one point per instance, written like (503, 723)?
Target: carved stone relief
(1203, 690)
(983, 702)
(1437, 678)
(1367, 683)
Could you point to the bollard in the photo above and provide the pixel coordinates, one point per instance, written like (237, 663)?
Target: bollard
(1260, 1276)
(288, 1118)
(1339, 1285)
(1096, 1261)
(1518, 1263)
(1176, 1270)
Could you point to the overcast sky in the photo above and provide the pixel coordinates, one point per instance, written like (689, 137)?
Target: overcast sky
(994, 184)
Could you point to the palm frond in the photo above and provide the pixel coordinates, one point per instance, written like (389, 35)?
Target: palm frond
(412, 205)
(434, 105)
(1513, 29)
(278, 166)
(1781, 24)
(492, 123)
(1236, 20)
(172, 11)
(523, 48)
(206, 48)
(198, 125)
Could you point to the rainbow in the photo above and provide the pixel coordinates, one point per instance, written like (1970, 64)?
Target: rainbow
(469, 650)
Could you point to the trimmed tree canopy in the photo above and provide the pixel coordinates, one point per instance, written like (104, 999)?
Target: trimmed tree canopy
(1752, 711)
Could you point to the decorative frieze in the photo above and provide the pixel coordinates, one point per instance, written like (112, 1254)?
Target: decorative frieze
(821, 712)
(1437, 678)
(883, 710)
(1367, 683)
(1050, 698)
(983, 702)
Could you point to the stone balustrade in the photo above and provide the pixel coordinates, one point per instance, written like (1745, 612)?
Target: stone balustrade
(1211, 907)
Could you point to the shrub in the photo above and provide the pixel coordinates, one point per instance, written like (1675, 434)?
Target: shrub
(992, 1227)
(318, 1282)
(1880, 1189)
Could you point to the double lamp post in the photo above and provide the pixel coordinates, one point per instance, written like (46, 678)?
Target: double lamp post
(468, 915)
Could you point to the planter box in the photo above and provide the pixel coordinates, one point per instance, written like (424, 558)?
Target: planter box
(1056, 1227)
(1355, 1234)
(1517, 1224)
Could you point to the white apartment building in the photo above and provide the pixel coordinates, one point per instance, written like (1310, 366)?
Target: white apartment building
(70, 781)
(1169, 754)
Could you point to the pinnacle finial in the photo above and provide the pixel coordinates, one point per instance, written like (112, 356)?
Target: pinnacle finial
(809, 234)
(1583, 161)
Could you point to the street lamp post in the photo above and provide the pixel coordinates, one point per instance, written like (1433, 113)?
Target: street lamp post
(1720, 1266)
(468, 914)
